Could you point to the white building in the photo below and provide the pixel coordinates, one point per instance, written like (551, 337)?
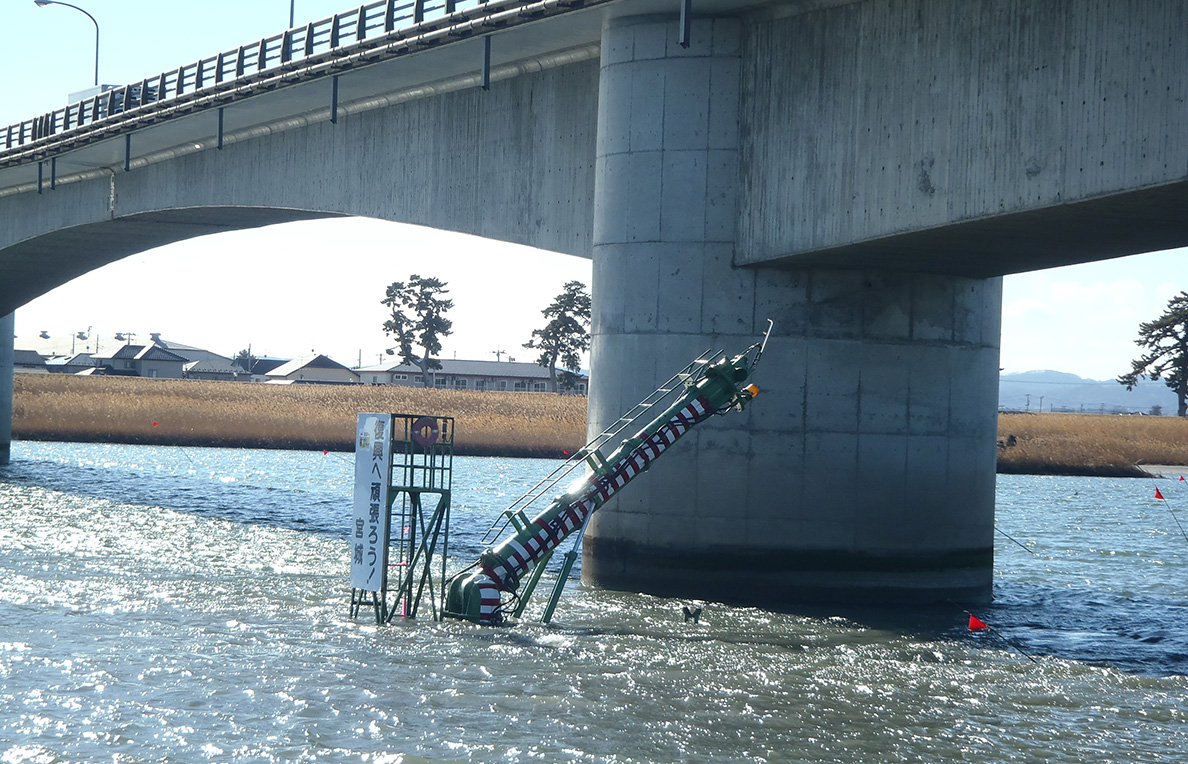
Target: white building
(313, 369)
(507, 376)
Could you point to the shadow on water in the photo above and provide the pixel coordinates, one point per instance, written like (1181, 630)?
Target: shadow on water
(1138, 635)
(1129, 634)
(802, 629)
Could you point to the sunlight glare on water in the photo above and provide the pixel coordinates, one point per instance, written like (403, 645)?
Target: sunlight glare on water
(191, 605)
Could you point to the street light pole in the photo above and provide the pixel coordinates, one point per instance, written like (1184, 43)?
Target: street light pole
(291, 9)
(43, 3)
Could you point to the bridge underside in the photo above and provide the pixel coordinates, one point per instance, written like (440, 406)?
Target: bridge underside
(1147, 220)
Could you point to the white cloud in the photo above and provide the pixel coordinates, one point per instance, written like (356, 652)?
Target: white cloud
(1083, 319)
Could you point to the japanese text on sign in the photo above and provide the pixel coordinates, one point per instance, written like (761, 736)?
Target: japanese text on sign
(369, 532)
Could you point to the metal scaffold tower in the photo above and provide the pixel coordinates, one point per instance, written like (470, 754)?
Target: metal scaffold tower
(403, 479)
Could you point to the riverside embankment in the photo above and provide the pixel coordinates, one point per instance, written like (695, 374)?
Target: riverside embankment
(322, 417)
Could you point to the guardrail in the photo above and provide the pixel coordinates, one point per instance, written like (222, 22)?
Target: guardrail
(342, 31)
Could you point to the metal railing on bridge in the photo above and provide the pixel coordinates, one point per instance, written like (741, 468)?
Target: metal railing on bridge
(350, 30)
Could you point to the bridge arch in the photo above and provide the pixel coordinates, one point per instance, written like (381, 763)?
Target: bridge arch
(309, 285)
(42, 263)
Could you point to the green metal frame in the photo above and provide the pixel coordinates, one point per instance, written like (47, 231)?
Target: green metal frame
(421, 468)
(591, 457)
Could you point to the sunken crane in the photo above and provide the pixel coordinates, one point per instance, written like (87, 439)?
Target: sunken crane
(481, 593)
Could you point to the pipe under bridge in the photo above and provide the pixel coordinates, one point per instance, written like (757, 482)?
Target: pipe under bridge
(860, 172)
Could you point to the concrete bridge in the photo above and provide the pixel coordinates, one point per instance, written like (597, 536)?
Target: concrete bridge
(861, 172)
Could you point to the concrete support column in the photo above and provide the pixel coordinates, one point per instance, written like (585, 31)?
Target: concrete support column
(7, 326)
(864, 471)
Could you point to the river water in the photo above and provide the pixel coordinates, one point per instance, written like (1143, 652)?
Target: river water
(190, 605)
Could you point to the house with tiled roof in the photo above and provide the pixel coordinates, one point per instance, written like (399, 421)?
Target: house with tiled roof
(221, 371)
(141, 361)
(316, 369)
(63, 358)
(28, 362)
(70, 364)
(185, 351)
(202, 363)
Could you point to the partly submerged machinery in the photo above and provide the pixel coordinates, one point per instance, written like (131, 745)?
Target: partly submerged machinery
(702, 389)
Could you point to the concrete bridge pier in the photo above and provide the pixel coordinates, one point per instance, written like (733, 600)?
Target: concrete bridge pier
(864, 471)
(7, 330)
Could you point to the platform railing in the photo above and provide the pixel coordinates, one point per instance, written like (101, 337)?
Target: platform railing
(344, 31)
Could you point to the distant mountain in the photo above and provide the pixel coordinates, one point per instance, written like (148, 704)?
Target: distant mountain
(1060, 391)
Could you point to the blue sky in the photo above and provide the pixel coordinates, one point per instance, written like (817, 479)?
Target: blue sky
(1080, 319)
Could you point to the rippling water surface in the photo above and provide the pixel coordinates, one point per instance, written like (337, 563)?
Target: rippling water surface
(190, 605)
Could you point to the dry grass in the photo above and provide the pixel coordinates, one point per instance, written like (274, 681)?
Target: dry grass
(1086, 444)
(184, 412)
(187, 412)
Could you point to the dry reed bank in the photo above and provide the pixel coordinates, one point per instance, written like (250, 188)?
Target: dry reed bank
(192, 413)
(1089, 444)
(198, 413)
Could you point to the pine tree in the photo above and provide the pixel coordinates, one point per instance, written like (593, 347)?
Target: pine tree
(424, 323)
(1166, 341)
(567, 333)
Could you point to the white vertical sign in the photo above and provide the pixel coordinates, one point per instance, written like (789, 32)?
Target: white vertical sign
(369, 529)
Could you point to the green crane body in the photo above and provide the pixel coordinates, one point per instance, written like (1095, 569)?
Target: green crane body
(715, 388)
